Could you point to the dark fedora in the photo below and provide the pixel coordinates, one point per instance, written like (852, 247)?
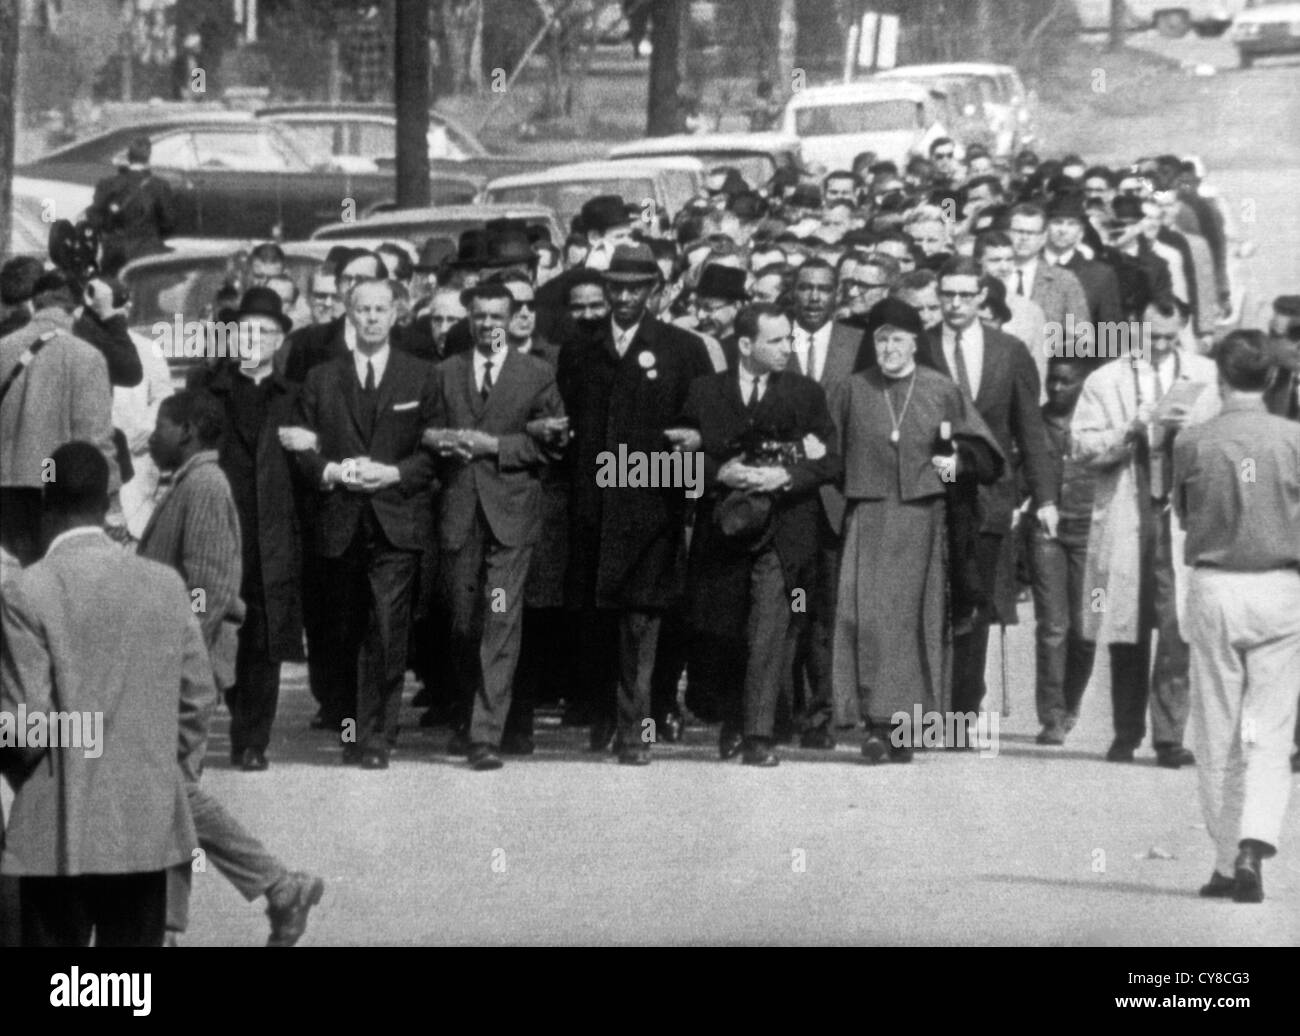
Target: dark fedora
(262, 302)
(633, 264)
(604, 212)
(1067, 206)
(893, 313)
(434, 254)
(507, 247)
(1127, 208)
(743, 517)
(721, 282)
(471, 248)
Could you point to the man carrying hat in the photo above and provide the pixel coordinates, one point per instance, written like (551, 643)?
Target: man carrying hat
(255, 402)
(623, 388)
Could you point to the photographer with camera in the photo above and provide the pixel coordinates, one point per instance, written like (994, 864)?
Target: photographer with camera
(133, 209)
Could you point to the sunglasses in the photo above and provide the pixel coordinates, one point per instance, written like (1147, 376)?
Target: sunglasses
(526, 304)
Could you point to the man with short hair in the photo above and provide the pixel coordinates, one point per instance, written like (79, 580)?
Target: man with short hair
(1066, 220)
(741, 598)
(1243, 612)
(94, 630)
(920, 290)
(1125, 426)
(1057, 291)
(863, 281)
(307, 347)
(323, 296)
(265, 261)
(840, 186)
(18, 279)
(997, 258)
(133, 210)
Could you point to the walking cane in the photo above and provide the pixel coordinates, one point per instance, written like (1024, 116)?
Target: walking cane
(1002, 641)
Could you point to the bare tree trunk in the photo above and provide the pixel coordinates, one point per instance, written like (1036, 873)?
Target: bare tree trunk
(1115, 41)
(984, 28)
(787, 42)
(9, 18)
(476, 49)
(411, 92)
(663, 116)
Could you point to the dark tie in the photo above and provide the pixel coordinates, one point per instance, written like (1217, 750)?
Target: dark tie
(959, 361)
(369, 401)
(753, 395)
(487, 381)
(1020, 283)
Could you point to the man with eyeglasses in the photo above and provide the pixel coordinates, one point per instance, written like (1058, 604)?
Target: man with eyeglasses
(323, 296)
(306, 347)
(1057, 291)
(863, 281)
(997, 376)
(1125, 425)
(1099, 183)
(947, 170)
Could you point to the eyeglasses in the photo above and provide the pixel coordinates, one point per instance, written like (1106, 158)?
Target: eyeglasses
(530, 304)
(965, 296)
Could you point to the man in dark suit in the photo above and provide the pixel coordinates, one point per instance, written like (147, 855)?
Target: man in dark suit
(827, 351)
(133, 210)
(996, 372)
(741, 584)
(368, 410)
(622, 389)
(1066, 220)
(255, 402)
(315, 344)
(490, 509)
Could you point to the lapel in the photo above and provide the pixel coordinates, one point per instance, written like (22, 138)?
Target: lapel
(473, 400)
(345, 370)
(938, 356)
(510, 374)
(989, 370)
(387, 387)
(732, 397)
(223, 384)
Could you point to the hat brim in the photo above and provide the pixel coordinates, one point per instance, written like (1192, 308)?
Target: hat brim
(631, 277)
(284, 322)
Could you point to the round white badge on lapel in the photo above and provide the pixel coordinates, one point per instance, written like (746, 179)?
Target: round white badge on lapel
(646, 358)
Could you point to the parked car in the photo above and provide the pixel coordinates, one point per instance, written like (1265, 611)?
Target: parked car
(999, 110)
(1172, 18)
(183, 283)
(238, 177)
(447, 222)
(668, 183)
(1266, 28)
(895, 118)
(756, 155)
(37, 203)
(362, 138)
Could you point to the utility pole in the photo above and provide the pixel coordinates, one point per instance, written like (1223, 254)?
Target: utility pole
(411, 92)
(10, 16)
(662, 110)
(1116, 39)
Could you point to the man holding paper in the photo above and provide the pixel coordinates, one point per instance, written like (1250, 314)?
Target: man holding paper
(1127, 420)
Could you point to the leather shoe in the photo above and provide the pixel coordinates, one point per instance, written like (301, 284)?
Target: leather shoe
(671, 728)
(517, 744)
(817, 739)
(900, 754)
(758, 752)
(1295, 763)
(1248, 876)
(874, 750)
(252, 760)
(603, 733)
(374, 759)
(634, 757)
(288, 903)
(1120, 752)
(351, 754)
(484, 757)
(322, 722)
(1218, 887)
(730, 742)
(1050, 735)
(1171, 757)
(458, 743)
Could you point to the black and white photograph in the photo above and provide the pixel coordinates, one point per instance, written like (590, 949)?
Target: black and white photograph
(651, 474)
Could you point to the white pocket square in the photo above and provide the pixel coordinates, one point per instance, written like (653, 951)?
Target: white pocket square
(406, 406)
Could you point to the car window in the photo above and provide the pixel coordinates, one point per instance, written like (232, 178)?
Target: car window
(175, 151)
(376, 140)
(861, 117)
(321, 139)
(247, 152)
(567, 198)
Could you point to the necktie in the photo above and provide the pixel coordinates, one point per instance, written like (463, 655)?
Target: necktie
(487, 381)
(959, 361)
(368, 398)
(1020, 283)
(753, 395)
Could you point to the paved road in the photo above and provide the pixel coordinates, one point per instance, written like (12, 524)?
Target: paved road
(1034, 846)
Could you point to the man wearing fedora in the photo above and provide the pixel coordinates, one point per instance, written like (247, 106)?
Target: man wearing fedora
(306, 347)
(606, 222)
(255, 402)
(1066, 223)
(623, 387)
(719, 296)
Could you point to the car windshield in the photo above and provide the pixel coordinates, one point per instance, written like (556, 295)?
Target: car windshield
(264, 149)
(160, 291)
(567, 198)
(857, 117)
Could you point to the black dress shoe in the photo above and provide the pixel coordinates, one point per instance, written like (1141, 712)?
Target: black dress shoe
(759, 753)
(517, 744)
(603, 734)
(1051, 735)
(289, 902)
(634, 757)
(374, 759)
(671, 728)
(484, 757)
(900, 754)
(252, 760)
(1295, 763)
(821, 739)
(320, 721)
(351, 755)
(1120, 752)
(1248, 871)
(874, 750)
(458, 743)
(1171, 757)
(730, 742)
(1218, 887)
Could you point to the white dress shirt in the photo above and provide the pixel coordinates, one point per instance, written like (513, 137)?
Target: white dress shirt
(379, 361)
(623, 338)
(811, 348)
(482, 363)
(972, 350)
(1029, 271)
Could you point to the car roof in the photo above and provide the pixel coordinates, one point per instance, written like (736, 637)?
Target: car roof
(599, 170)
(442, 213)
(680, 143)
(862, 90)
(232, 120)
(183, 250)
(953, 68)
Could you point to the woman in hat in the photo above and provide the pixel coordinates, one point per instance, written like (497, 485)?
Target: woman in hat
(898, 425)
